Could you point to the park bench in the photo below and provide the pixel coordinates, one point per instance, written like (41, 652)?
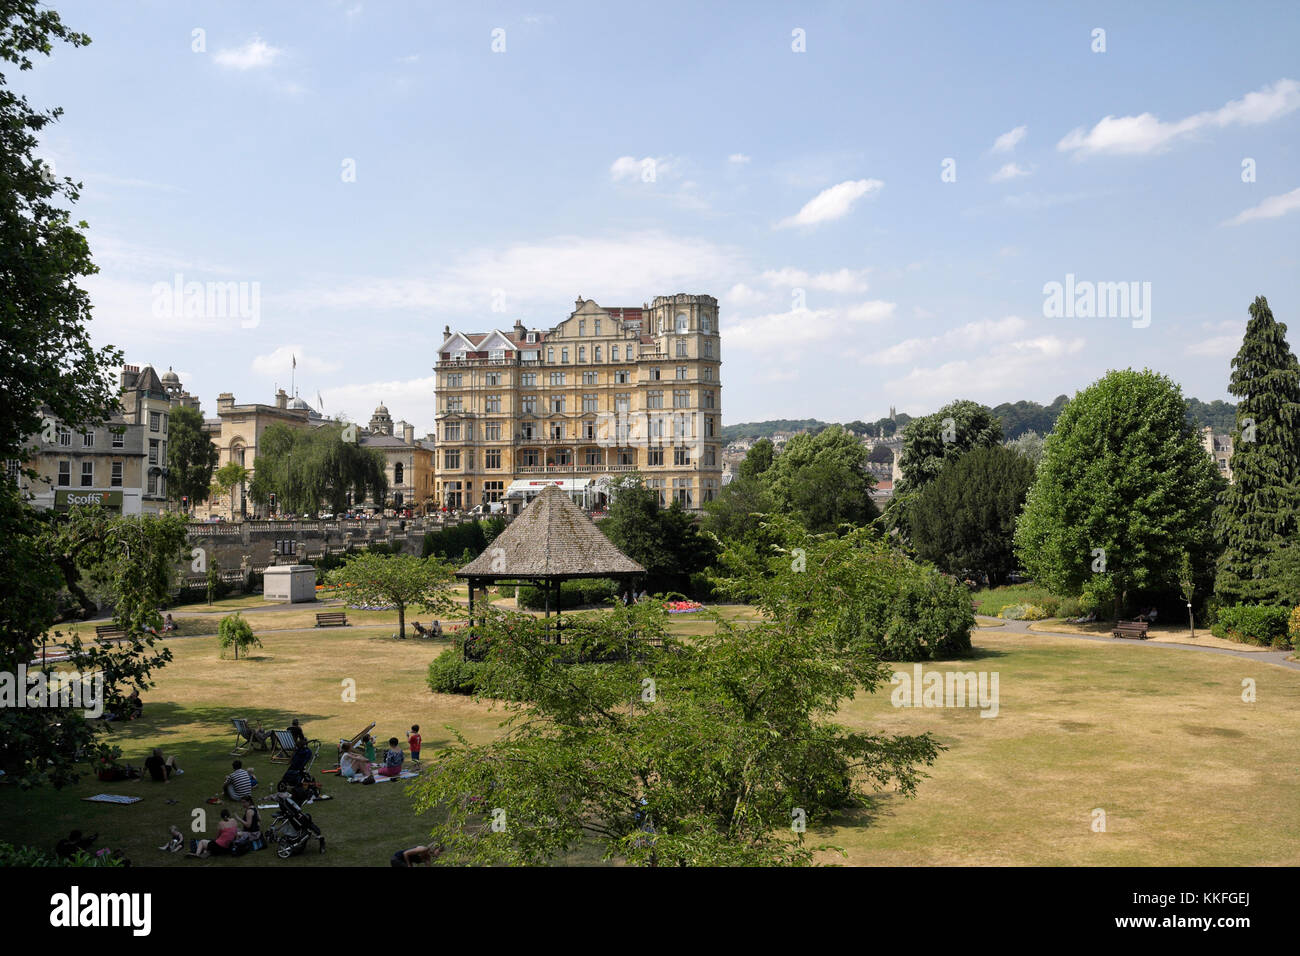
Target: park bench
(1136, 630)
(105, 633)
(332, 619)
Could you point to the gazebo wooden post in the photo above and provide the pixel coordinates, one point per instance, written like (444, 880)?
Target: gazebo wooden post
(559, 610)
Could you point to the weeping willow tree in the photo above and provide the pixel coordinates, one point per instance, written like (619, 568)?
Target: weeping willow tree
(305, 468)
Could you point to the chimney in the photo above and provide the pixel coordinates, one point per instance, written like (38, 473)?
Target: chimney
(446, 331)
(225, 402)
(578, 304)
(281, 398)
(519, 328)
(408, 434)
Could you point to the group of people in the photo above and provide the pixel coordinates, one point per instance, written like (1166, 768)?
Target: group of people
(235, 834)
(359, 763)
(629, 597)
(434, 630)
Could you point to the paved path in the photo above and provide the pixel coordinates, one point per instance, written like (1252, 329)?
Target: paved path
(1270, 657)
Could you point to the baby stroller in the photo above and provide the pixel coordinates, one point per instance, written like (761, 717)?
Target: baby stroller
(296, 780)
(292, 828)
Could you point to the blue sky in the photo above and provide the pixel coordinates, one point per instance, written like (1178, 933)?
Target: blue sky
(626, 151)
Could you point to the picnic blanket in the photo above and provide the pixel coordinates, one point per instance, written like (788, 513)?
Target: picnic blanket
(112, 798)
(404, 775)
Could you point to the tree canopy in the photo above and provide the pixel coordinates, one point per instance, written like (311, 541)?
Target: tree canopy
(402, 580)
(664, 541)
(307, 467)
(191, 457)
(1124, 490)
(823, 480)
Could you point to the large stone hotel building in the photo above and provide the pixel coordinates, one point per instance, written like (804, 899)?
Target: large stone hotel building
(606, 392)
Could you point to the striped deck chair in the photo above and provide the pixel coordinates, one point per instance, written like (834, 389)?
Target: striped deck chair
(283, 746)
(246, 738)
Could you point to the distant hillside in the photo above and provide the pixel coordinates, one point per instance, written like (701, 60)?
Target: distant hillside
(1017, 418)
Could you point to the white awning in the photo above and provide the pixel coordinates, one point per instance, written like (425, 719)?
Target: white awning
(534, 486)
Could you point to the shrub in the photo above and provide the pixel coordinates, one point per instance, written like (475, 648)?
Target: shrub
(1098, 595)
(1069, 607)
(572, 594)
(930, 617)
(1293, 627)
(11, 855)
(702, 587)
(1051, 606)
(1024, 612)
(448, 674)
(1252, 624)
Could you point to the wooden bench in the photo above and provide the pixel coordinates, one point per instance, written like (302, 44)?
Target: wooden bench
(1136, 630)
(104, 633)
(332, 619)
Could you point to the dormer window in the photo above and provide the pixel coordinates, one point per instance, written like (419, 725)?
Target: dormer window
(531, 338)
(497, 355)
(459, 356)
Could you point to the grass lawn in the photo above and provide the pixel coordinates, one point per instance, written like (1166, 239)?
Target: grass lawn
(1187, 773)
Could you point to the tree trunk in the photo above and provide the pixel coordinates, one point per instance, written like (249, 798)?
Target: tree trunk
(401, 620)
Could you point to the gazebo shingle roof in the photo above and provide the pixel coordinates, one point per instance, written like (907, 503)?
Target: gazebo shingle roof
(551, 538)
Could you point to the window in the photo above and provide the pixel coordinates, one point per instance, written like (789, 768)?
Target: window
(550, 355)
(155, 421)
(589, 431)
(681, 323)
(492, 378)
(593, 456)
(681, 398)
(398, 473)
(152, 487)
(497, 355)
(531, 338)
(708, 348)
(531, 355)
(654, 399)
(656, 426)
(557, 431)
(626, 456)
(557, 404)
(710, 456)
(707, 398)
(682, 491)
(528, 458)
(528, 405)
(455, 403)
(13, 469)
(237, 453)
(119, 438)
(493, 490)
(590, 378)
(598, 326)
(153, 451)
(706, 323)
(65, 473)
(681, 348)
(65, 435)
(582, 326)
(451, 380)
(681, 456)
(528, 430)
(681, 373)
(451, 458)
(622, 377)
(527, 378)
(459, 356)
(491, 431)
(451, 431)
(708, 426)
(681, 426)
(596, 353)
(492, 404)
(654, 374)
(590, 403)
(557, 378)
(469, 431)
(613, 353)
(492, 459)
(564, 355)
(88, 439)
(710, 489)
(116, 479)
(708, 374)
(87, 474)
(564, 457)
(582, 354)
(623, 403)
(655, 456)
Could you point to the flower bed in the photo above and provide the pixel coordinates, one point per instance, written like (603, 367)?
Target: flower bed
(683, 607)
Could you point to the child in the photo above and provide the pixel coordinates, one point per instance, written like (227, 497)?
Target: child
(393, 758)
(413, 740)
(370, 747)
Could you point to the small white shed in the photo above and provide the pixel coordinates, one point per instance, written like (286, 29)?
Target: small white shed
(294, 583)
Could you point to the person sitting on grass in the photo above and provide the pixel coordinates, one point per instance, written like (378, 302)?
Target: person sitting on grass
(250, 820)
(168, 623)
(368, 743)
(416, 855)
(352, 764)
(239, 782)
(393, 758)
(295, 731)
(160, 768)
(227, 831)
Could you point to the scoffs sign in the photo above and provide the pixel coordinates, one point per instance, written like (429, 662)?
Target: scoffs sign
(63, 500)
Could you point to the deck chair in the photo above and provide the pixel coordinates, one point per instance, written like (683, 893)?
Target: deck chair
(355, 740)
(420, 629)
(283, 746)
(246, 738)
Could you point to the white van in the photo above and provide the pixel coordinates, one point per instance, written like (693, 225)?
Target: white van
(489, 508)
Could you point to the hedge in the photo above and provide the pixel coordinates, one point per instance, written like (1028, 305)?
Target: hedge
(572, 594)
(1253, 624)
(448, 674)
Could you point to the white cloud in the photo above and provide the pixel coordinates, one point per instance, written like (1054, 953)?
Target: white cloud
(968, 337)
(1224, 345)
(646, 169)
(1270, 208)
(833, 203)
(794, 329)
(1013, 368)
(409, 400)
(254, 54)
(280, 362)
(742, 295)
(1009, 140)
(1144, 133)
(842, 280)
(1010, 171)
(738, 159)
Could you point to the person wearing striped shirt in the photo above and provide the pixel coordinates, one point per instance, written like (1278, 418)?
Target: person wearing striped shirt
(239, 783)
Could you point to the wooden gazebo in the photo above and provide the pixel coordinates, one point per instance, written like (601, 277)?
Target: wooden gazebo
(550, 541)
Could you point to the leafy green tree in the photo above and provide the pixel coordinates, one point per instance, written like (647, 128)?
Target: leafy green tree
(966, 518)
(758, 459)
(664, 541)
(1020, 417)
(1029, 444)
(823, 480)
(928, 443)
(228, 477)
(731, 745)
(737, 509)
(191, 457)
(1260, 510)
(402, 580)
(1124, 489)
(304, 468)
(236, 632)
